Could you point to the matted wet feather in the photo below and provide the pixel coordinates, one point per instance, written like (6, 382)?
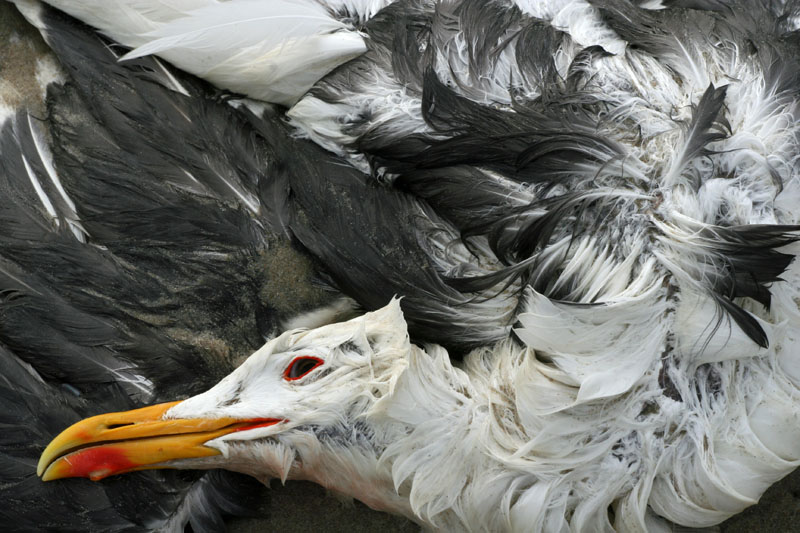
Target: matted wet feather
(591, 204)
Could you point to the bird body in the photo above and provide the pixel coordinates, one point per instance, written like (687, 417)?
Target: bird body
(592, 205)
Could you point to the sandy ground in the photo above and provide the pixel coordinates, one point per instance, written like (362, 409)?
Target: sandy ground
(299, 506)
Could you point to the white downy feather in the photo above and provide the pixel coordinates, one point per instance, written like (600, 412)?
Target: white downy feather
(604, 348)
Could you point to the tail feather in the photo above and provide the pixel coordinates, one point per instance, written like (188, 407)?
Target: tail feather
(273, 51)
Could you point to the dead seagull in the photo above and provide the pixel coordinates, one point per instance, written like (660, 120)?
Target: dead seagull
(594, 202)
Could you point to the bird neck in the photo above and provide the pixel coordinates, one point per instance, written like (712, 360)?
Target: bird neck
(414, 449)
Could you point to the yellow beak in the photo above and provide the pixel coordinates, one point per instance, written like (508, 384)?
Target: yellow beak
(115, 443)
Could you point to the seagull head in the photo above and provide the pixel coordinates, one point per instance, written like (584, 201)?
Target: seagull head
(305, 406)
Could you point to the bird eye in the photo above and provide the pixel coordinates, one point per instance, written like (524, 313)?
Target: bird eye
(300, 366)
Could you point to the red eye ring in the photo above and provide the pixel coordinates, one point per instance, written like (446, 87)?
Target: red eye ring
(301, 366)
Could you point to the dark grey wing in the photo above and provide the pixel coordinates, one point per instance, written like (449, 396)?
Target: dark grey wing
(375, 242)
(132, 270)
(247, 174)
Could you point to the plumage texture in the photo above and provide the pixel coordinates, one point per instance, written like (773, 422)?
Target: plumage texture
(120, 279)
(273, 51)
(507, 441)
(642, 193)
(593, 202)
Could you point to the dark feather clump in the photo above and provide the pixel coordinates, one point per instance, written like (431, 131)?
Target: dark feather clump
(485, 26)
(205, 224)
(752, 263)
(257, 157)
(708, 125)
(700, 5)
(371, 241)
(640, 28)
(460, 193)
(156, 300)
(529, 145)
(751, 257)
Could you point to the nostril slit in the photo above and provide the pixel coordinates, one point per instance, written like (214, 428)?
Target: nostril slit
(115, 426)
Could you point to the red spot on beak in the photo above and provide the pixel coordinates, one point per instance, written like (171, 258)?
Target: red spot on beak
(97, 463)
